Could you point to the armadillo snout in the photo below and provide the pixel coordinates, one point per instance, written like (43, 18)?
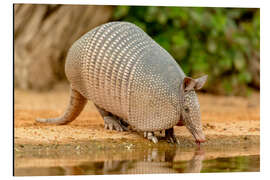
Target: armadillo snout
(200, 140)
(199, 137)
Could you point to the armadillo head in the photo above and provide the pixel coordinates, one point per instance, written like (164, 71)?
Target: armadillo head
(190, 109)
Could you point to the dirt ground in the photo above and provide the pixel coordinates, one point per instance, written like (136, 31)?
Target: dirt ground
(225, 120)
(231, 126)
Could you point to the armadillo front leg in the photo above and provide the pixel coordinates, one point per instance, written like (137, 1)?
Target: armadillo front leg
(76, 105)
(111, 122)
(170, 136)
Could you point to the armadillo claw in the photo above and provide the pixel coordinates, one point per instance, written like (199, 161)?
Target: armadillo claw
(151, 137)
(173, 140)
(170, 140)
(177, 140)
(112, 124)
(144, 134)
(170, 136)
(154, 139)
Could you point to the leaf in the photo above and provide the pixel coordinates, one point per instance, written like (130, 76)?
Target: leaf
(179, 39)
(162, 40)
(120, 12)
(226, 64)
(239, 61)
(244, 77)
(211, 46)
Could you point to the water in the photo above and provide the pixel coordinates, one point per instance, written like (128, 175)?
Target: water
(148, 160)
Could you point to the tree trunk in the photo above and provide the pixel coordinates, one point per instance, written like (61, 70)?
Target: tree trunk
(43, 35)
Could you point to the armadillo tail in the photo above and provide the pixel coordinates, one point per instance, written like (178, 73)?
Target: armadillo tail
(76, 105)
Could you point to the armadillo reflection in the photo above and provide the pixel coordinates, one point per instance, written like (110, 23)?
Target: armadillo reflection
(132, 81)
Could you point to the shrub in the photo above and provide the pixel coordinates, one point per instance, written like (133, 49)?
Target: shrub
(221, 42)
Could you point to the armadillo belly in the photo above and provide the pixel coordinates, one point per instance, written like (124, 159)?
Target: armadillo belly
(121, 69)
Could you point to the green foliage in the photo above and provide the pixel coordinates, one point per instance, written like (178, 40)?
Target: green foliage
(219, 42)
(232, 164)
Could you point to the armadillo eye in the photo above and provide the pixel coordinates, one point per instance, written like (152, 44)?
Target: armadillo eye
(186, 109)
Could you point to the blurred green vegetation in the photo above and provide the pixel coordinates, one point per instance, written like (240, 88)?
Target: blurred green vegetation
(232, 164)
(249, 163)
(220, 42)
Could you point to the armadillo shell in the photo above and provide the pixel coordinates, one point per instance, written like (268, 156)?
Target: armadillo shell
(121, 69)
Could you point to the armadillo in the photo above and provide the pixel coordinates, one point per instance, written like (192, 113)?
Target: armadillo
(133, 82)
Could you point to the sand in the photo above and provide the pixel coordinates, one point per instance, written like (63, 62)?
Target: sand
(225, 119)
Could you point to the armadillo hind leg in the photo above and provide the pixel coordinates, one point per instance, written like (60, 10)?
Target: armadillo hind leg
(170, 136)
(112, 122)
(151, 136)
(76, 105)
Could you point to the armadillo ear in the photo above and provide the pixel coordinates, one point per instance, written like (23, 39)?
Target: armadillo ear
(200, 82)
(188, 84)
